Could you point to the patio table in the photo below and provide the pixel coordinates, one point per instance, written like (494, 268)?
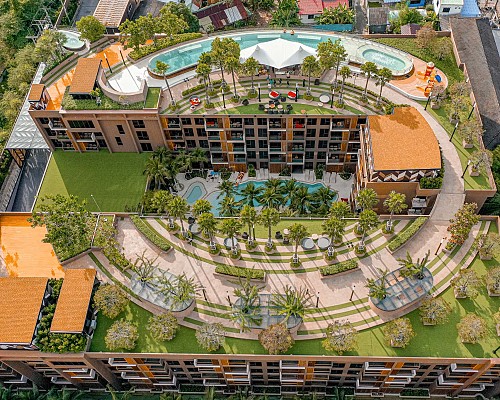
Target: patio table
(307, 243)
(324, 98)
(314, 236)
(323, 242)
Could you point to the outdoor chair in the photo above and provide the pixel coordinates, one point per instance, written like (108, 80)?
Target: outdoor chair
(261, 107)
(283, 99)
(286, 241)
(191, 220)
(278, 235)
(244, 235)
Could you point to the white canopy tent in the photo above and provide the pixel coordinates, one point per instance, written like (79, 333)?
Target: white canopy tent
(278, 53)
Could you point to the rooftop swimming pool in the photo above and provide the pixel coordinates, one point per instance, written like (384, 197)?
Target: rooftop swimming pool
(73, 41)
(359, 50)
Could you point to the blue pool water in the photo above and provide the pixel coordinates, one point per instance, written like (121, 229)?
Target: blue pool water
(187, 55)
(195, 192)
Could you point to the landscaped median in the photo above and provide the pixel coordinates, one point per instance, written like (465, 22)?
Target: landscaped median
(240, 272)
(339, 268)
(146, 229)
(406, 235)
(163, 43)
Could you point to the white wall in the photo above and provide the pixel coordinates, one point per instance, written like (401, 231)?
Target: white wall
(439, 5)
(304, 18)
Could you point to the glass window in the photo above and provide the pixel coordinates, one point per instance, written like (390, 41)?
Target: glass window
(137, 123)
(142, 135)
(118, 141)
(146, 147)
(188, 131)
(81, 124)
(251, 144)
(121, 131)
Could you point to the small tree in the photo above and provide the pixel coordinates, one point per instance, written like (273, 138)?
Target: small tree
(378, 287)
(110, 300)
(163, 327)
(208, 227)
(291, 303)
(493, 281)
(434, 311)
(276, 339)
(470, 132)
(297, 233)
(334, 227)
(90, 28)
(310, 66)
(269, 217)
(145, 268)
(248, 215)
(441, 48)
(472, 328)
(340, 210)
(249, 67)
(480, 162)
(462, 223)
(368, 68)
(231, 227)
(466, 284)
(178, 208)
(201, 206)
(367, 220)
(425, 36)
(399, 332)
(411, 268)
(210, 336)
(456, 107)
(341, 336)
(395, 204)
(121, 335)
(366, 199)
(488, 245)
(345, 72)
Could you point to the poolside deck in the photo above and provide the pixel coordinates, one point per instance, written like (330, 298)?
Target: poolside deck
(23, 254)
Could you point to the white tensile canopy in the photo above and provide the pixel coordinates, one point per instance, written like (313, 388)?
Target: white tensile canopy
(278, 53)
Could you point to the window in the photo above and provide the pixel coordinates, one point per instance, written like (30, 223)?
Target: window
(81, 124)
(325, 121)
(121, 131)
(186, 121)
(142, 135)
(309, 155)
(188, 131)
(118, 140)
(323, 144)
(204, 144)
(446, 9)
(310, 144)
(146, 147)
(138, 123)
(248, 121)
(191, 144)
(201, 132)
(251, 154)
(262, 144)
(43, 121)
(199, 121)
(249, 132)
(261, 121)
(50, 132)
(323, 133)
(251, 144)
(321, 155)
(262, 154)
(262, 132)
(311, 121)
(310, 16)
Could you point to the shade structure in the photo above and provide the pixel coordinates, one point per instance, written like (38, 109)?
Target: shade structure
(278, 53)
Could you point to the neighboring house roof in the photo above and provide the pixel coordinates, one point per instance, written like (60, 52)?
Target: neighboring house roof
(85, 75)
(111, 12)
(410, 29)
(314, 7)
(74, 300)
(334, 3)
(20, 303)
(222, 14)
(477, 49)
(403, 141)
(470, 9)
(36, 92)
(378, 16)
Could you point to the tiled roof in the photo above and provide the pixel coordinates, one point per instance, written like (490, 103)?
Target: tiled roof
(20, 303)
(410, 29)
(36, 92)
(85, 75)
(310, 7)
(110, 12)
(74, 300)
(403, 141)
(378, 16)
(334, 3)
(222, 14)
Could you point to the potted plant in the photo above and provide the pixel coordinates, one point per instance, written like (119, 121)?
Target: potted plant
(493, 282)
(466, 284)
(480, 162)
(378, 287)
(469, 132)
(413, 269)
(438, 95)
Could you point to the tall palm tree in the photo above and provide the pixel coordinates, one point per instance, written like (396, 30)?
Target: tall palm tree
(269, 217)
(250, 67)
(339, 55)
(161, 68)
(301, 201)
(250, 194)
(203, 74)
(226, 188)
(310, 66)
(395, 203)
(229, 207)
(61, 394)
(208, 226)
(232, 64)
(322, 200)
(218, 55)
(273, 183)
(289, 189)
(345, 72)
(378, 287)
(206, 58)
(368, 219)
(185, 161)
(155, 171)
(297, 233)
(164, 154)
(231, 227)
(248, 215)
(334, 227)
(340, 210)
(199, 156)
(366, 199)
(369, 68)
(271, 198)
(178, 208)
(201, 206)
(384, 75)
(172, 170)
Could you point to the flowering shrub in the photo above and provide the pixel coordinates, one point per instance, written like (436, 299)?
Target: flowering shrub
(462, 223)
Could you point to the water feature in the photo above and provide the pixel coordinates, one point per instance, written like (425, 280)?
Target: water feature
(73, 42)
(383, 59)
(195, 192)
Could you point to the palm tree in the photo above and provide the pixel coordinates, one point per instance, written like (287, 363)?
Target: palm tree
(185, 161)
(229, 207)
(271, 198)
(310, 66)
(248, 216)
(301, 200)
(246, 311)
(232, 64)
(368, 219)
(208, 226)
(178, 208)
(340, 210)
(413, 269)
(297, 233)
(322, 199)
(172, 170)
(226, 188)
(161, 68)
(250, 194)
(384, 75)
(250, 67)
(345, 72)
(369, 68)
(334, 227)
(156, 171)
(218, 55)
(269, 217)
(201, 206)
(231, 227)
(395, 203)
(366, 199)
(339, 55)
(199, 156)
(206, 58)
(291, 303)
(203, 74)
(164, 154)
(289, 189)
(378, 288)
(273, 183)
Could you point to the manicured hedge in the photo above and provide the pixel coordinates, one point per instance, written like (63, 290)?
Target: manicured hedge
(146, 230)
(407, 234)
(238, 272)
(216, 84)
(163, 44)
(338, 268)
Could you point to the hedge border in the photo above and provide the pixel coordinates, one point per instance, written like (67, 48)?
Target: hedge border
(338, 268)
(149, 233)
(240, 272)
(400, 239)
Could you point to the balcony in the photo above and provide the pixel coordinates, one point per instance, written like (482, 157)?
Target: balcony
(213, 136)
(336, 125)
(81, 373)
(238, 149)
(298, 137)
(219, 160)
(275, 136)
(212, 124)
(235, 125)
(278, 160)
(57, 126)
(238, 137)
(296, 148)
(276, 150)
(85, 137)
(240, 159)
(113, 363)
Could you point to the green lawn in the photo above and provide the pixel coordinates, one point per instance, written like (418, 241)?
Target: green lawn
(313, 226)
(115, 180)
(152, 97)
(447, 65)
(297, 107)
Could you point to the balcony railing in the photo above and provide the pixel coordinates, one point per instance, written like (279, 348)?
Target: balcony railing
(57, 126)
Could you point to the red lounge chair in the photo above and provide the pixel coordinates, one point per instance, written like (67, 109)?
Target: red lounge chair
(273, 94)
(292, 95)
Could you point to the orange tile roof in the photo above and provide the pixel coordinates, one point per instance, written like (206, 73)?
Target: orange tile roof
(20, 304)
(85, 75)
(36, 92)
(73, 302)
(111, 12)
(403, 141)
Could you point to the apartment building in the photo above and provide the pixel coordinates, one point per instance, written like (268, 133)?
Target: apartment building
(286, 375)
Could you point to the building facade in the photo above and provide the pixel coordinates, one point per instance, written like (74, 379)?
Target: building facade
(286, 375)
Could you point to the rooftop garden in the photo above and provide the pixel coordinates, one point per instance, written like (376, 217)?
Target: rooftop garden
(69, 103)
(153, 97)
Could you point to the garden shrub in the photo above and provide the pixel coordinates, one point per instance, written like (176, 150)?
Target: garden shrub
(240, 272)
(163, 43)
(403, 237)
(431, 183)
(338, 268)
(143, 227)
(201, 86)
(56, 285)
